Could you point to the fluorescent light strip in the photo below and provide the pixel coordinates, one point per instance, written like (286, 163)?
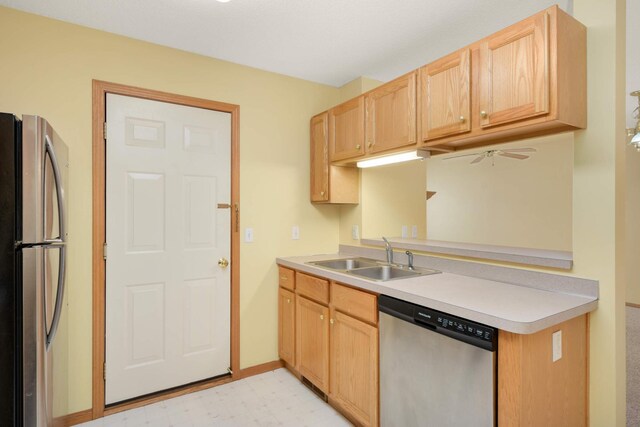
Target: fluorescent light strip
(393, 158)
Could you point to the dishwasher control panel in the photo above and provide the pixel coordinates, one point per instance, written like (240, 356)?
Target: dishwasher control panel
(455, 327)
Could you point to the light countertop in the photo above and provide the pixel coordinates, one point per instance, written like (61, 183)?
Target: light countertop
(510, 307)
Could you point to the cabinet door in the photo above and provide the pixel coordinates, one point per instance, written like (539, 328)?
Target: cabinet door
(320, 158)
(354, 367)
(346, 130)
(391, 115)
(312, 342)
(444, 96)
(286, 326)
(514, 72)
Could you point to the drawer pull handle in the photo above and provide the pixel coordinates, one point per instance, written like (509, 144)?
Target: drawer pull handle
(288, 300)
(331, 321)
(283, 278)
(322, 317)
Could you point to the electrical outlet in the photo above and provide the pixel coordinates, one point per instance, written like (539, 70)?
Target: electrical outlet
(355, 232)
(405, 231)
(414, 231)
(295, 232)
(248, 235)
(557, 346)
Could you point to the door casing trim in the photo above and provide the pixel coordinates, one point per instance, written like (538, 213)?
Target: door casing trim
(100, 89)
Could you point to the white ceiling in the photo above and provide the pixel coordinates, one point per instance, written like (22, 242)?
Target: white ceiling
(326, 41)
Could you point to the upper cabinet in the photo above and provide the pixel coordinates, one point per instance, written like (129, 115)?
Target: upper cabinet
(346, 130)
(513, 73)
(445, 96)
(524, 81)
(319, 158)
(329, 183)
(391, 115)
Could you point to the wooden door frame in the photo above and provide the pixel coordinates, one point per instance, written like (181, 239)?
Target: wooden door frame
(100, 91)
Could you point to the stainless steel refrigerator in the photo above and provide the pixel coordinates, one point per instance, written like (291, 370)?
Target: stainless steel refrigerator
(33, 244)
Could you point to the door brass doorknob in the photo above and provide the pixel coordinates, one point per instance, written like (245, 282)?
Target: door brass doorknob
(222, 262)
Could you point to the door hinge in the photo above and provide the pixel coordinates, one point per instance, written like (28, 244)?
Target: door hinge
(104, 251)
(104, 130)
(104, 371)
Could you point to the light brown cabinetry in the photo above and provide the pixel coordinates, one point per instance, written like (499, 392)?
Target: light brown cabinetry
(533, 390)
(346, 130)
(391, 115)
(286, 326)
(336, 342)
(329, 183)
(445, 96)
(312, 342)
(286, 315)
(526, 80)
(513, 72)
(354, 368)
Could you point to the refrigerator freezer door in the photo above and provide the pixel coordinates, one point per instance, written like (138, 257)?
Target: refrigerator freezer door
(44, 183)
(36, 410)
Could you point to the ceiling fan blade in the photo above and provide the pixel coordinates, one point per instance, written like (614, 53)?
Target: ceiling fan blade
(461, 155)
(478, 159)
(514, 156)
(519, 150)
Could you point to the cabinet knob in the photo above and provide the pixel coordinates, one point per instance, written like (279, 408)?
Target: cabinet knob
(331, 321)
(357, 146)
(322, 317)
(288, 300)
(370, 144)
(483, 114)
(322, 193)
(462, 119)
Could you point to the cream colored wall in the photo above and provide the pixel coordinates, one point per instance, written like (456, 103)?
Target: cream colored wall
(47, 68)
(522, 203)
(599, 205)
(633, 157)
(393, 196)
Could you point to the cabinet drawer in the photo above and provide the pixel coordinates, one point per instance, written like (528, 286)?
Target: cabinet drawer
(312, 287)
(286, 278)
(353, 302)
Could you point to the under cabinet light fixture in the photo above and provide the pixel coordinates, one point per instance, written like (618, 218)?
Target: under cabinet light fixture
(394, 158)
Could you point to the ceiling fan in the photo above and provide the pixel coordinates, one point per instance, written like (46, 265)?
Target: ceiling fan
(507, 152)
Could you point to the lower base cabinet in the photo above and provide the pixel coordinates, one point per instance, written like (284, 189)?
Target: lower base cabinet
(354, 368)
(286, 326)
(312, 342)
(337, 350)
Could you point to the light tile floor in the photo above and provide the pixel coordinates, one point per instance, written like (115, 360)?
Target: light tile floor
(274, 398)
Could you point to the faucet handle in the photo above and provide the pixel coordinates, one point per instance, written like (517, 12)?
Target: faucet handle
(410, 261)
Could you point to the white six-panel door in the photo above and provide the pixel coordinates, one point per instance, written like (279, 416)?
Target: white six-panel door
(167, 299)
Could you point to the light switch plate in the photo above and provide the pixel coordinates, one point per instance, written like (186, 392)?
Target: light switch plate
(405, 231)
(557, 346)
(414, 231)
(248, 235)
(295, 232)
(355, 232)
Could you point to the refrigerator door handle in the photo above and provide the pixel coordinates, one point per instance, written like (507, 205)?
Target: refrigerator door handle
(59, 297)
(59, 191)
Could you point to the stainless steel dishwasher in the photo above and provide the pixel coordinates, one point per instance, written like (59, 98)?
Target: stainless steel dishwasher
(436, 370)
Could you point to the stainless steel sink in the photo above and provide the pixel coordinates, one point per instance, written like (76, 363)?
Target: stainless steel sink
(345, 263)
(384, 273)
(372, 269)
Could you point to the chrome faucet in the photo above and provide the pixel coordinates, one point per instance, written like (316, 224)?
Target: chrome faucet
(410, 262)
(389, 250)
